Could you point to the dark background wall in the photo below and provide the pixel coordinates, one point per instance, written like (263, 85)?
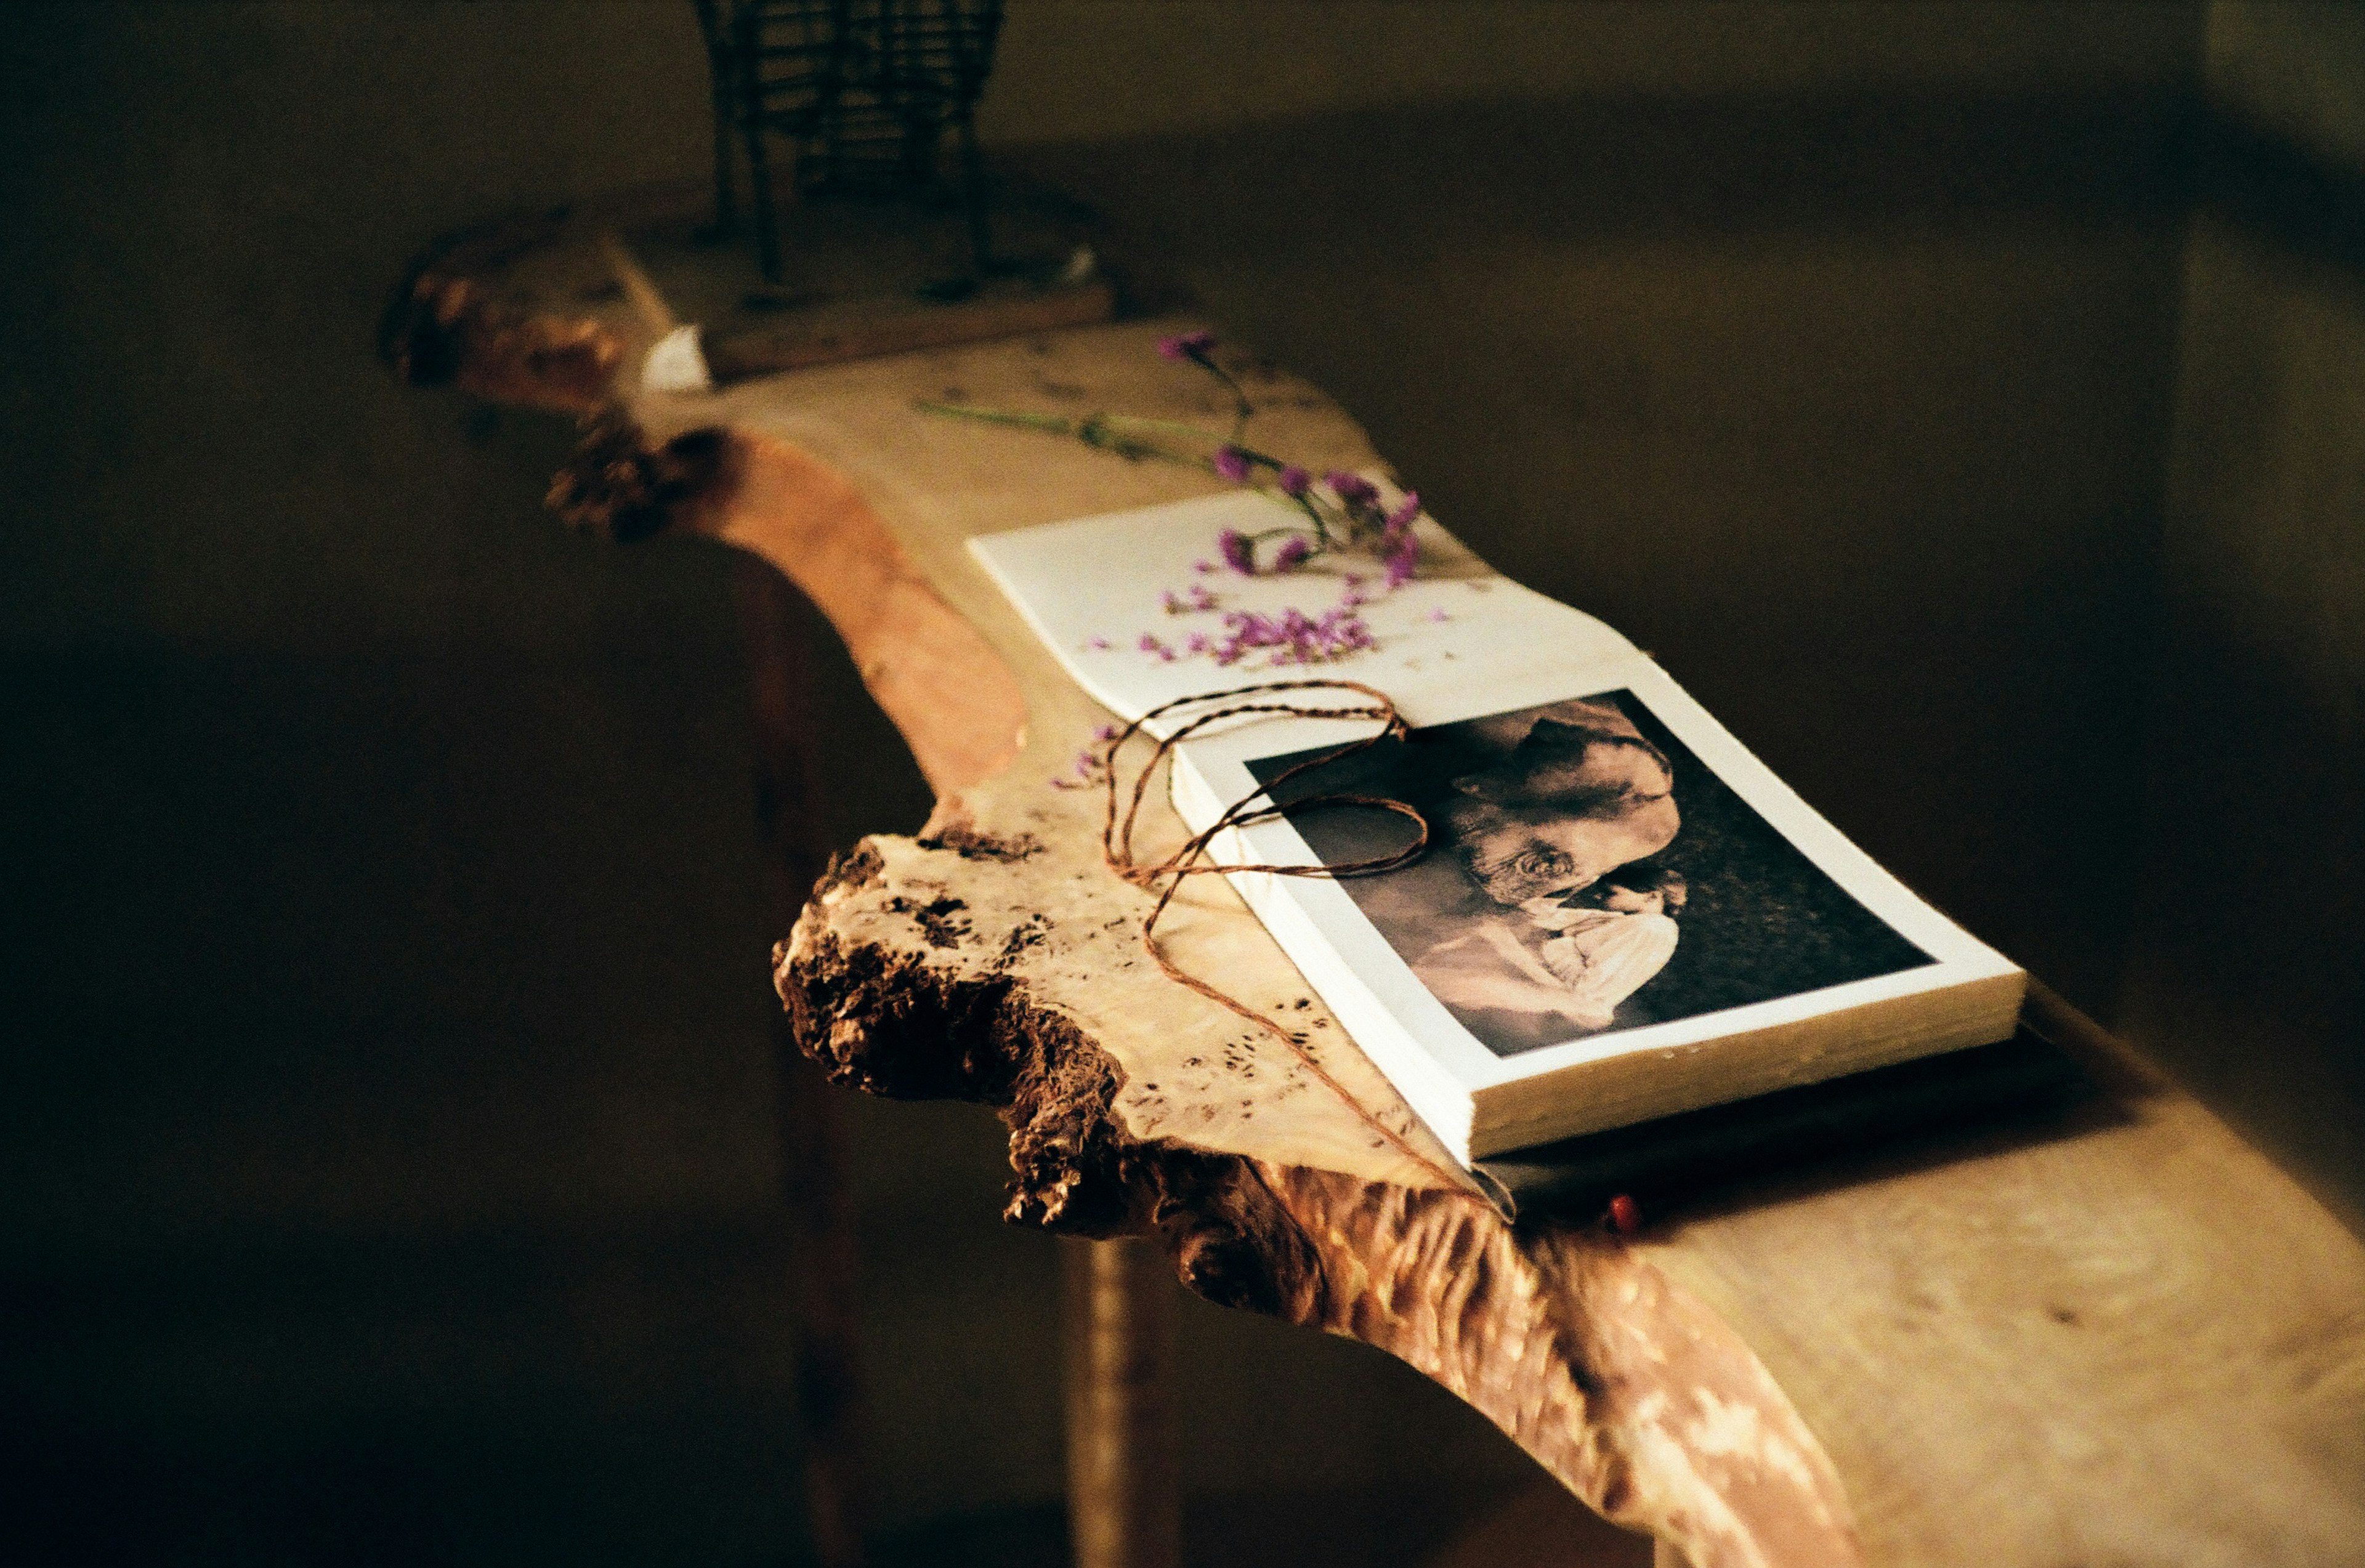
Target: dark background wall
(387, 1144)
(2246, 969)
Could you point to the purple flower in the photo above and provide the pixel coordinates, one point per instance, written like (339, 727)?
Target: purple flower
(1353, 490)
(1439, 615)
(1406, 510)
(1200, 598)
(1172, 601)
(1293, 552)
(1402, 556)
(1295, 481)
(1238, 553)
(1106, 733)
(1085, 770)
(1293, 637)
(1098, 644)
(1232, 464)
(1186, 346)
(1149, 644)
(1202, 567)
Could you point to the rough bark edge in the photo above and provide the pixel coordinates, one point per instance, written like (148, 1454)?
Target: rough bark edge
(894, 1024)
(442, 325)
(440, 329)
(1438, 1280)
(617, 484)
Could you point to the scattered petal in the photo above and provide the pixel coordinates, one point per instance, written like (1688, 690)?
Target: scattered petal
(1186, 346)
(1353, 490)
(1238, 554)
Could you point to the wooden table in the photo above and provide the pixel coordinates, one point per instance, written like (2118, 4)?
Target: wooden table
(2119, 1337)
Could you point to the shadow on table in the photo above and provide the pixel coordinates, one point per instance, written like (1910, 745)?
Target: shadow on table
(1915, 1116)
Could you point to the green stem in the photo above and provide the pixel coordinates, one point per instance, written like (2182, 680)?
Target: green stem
(1056, 423)
(1177, 426)
(1242, 409)
(1060, 424)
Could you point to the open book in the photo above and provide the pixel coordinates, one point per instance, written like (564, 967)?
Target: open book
(1622, 914)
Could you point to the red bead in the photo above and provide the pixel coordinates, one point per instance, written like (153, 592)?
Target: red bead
(1625, 1215)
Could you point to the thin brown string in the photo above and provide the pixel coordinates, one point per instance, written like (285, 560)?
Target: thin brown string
(1191, 860)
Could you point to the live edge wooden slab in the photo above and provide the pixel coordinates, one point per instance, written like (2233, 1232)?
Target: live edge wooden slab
(2121, 1336)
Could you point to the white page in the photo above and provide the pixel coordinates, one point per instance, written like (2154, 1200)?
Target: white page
(1092, 588)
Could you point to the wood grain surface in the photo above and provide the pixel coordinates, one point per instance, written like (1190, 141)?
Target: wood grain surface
(2115, 1335)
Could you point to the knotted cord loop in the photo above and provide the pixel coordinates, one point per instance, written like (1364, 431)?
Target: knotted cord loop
(1165, 877)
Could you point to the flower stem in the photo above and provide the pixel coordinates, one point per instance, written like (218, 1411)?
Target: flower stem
(1242, 409)
(1061, 424)
(1057, 424)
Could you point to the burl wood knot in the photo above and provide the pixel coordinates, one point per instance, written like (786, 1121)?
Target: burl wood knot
(949, 965)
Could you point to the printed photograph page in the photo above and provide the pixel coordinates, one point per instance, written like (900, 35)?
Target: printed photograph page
(1609, 871)
(1140, 609)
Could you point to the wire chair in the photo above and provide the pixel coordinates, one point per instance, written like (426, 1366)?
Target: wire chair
(862, 90)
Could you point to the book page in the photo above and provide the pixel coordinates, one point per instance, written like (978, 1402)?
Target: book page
(1141, 611)
(1609, 872)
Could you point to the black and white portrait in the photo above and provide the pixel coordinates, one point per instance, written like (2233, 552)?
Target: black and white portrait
(1586, 872)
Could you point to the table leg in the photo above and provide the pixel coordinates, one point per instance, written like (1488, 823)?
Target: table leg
(1123, 1498)
(775, 628)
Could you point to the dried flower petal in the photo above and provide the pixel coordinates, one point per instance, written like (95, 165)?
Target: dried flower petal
(1238, 554)
(1353, 490)
(1186, 346)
